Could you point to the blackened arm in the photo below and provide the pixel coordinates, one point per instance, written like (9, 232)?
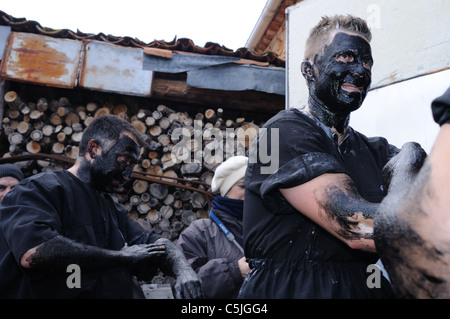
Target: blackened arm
(332, 201)
(59, 252)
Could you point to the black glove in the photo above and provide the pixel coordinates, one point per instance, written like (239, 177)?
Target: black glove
(440, 108)
(188, 284)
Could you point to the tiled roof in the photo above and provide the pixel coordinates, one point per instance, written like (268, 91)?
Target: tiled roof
(278, 22)
(182, 44)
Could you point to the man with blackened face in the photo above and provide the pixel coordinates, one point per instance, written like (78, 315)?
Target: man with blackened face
(344, 72)
(109, 169)
(67, 217)
(308, 226)
(338, 77)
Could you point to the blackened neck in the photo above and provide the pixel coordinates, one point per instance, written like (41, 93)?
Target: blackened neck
(333, 120)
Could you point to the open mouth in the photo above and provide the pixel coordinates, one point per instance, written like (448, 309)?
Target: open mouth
(351, 88)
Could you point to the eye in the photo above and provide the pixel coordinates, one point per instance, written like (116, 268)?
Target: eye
(125, 161)
(367, 64)
(344, 58)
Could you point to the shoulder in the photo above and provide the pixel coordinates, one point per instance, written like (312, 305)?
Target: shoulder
(292, 116)
(55, 186)
(49, 177)
(199, 230)
(199, 226)
(291, 129)
(44, 181)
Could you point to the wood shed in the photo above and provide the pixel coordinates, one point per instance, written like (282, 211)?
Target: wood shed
(54, 82)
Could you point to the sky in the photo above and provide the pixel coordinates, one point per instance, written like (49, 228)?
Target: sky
(226, 22)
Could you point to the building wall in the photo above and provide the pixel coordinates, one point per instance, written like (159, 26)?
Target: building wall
(401, 112)
(411, 40)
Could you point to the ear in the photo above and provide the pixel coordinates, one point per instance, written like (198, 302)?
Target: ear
(307, 70)
(93, 148)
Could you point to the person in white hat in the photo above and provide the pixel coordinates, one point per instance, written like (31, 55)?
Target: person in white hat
(213, 246)
(10, 176)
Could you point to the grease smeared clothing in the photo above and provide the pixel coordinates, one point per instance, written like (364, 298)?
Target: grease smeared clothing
(290, 255)
(58, 203)
(211, 254)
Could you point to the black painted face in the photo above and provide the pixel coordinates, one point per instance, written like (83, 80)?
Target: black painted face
(113, 168)
(344, 73)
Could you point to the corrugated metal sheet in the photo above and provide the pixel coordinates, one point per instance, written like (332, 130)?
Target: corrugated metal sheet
(42, 60)
(236, 77)
(69, 63)
(184, 62)
(182, 44)
(109, 67)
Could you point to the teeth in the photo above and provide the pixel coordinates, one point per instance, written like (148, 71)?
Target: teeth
(351, 88)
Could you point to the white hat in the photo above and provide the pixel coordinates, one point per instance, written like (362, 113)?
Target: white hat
(229, 173)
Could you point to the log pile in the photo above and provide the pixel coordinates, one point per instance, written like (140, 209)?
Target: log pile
(171, 185)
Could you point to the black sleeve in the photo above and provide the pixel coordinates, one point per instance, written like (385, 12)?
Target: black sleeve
(28, 217)
(298, 151)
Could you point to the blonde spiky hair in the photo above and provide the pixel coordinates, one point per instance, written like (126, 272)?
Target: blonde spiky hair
(319, 35)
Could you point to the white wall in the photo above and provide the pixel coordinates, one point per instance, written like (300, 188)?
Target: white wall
(410, 39)
(401, 112)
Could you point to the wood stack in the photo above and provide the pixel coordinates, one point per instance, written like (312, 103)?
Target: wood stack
(179, 159)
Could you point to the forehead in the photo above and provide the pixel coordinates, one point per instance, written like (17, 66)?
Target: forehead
(8, 180)
(340, 41)
(126, 143)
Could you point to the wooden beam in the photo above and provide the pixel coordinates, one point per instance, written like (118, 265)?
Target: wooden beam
(254, 101)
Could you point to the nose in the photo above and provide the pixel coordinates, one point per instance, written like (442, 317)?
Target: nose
(358, 69)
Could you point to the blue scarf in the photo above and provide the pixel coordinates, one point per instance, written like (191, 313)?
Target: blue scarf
(234, 207)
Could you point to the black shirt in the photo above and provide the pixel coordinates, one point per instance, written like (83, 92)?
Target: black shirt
(301, 148)
(58, 203)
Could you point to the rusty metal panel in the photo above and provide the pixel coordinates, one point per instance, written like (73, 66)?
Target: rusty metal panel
(112, 68)
(42, 59)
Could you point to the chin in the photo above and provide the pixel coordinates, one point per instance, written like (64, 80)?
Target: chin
(351, 102)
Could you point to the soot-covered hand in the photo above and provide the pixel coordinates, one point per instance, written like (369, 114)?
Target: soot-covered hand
(188, 285)
(399, 172)
(143, 253)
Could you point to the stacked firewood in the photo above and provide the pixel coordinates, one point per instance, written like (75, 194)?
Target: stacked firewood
(171, 185)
